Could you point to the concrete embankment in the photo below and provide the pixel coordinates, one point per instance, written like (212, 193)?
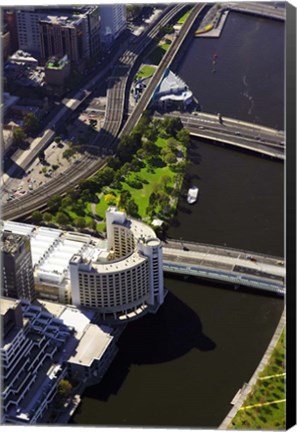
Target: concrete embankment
(242, 394)
(215, 29)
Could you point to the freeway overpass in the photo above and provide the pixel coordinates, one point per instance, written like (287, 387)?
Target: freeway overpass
(238, 267)
(249, 136)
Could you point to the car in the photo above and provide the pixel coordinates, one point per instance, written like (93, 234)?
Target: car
(30, 187)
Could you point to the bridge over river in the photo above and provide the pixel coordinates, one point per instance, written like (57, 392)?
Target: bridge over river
(249, 136)
(237, 267)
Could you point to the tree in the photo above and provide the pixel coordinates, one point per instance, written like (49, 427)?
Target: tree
(41, 156)
(62, 218)
(66, 201)
(58, 139)
(110, 199)
(47, 217)
(170, 158)
(165, 179)
(124, 198)
(68, 153)
(64, 388)
(80, 222)
(128, 145)
(54, 203)
(31, 123)
(132, 208)
(133, 10)
(37, 217)
(172, 125)
(18, 136)
(183, 136)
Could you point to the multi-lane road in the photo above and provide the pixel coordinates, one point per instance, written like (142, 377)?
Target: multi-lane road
(249, 136)
(225, 264)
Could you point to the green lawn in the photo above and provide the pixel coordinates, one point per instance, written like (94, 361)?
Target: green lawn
(155, 175)
(184, 17)
(269, 390)
(140, 196)
(145, 71)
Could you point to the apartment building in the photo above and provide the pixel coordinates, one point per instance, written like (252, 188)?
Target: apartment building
(42, 344)
(48, 32)
(130, 283)
(17, 272)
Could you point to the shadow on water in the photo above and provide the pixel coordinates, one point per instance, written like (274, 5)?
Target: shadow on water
(174, 331)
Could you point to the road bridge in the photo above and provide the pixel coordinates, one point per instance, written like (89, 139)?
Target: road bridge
(249, 136)
(238, 267)
(257, 8)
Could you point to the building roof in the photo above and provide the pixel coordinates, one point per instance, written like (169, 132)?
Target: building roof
(52, 249)
(172, 87)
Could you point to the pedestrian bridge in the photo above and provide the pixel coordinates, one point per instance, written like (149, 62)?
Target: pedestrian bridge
(238, 267)
(245, 135)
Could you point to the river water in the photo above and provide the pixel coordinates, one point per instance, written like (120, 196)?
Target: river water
(182, 366)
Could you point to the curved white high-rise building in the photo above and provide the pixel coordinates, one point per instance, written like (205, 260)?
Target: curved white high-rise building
(127, 284)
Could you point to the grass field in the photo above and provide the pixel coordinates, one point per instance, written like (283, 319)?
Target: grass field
(145, 72)
(149, 178)
(264, 408)
(184, 17)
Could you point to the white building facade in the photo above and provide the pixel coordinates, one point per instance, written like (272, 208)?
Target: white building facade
(131, 282)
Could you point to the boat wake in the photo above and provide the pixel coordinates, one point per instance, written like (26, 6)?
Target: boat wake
(248, 96)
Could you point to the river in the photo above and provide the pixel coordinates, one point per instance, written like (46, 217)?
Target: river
(182, 366)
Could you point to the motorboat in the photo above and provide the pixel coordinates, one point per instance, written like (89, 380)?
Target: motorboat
(192, 195)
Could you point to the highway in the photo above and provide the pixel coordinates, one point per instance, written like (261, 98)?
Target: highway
(230, 265)
(257, 138)
(114, 116)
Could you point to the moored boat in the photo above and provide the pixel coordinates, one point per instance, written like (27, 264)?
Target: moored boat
(192, 195)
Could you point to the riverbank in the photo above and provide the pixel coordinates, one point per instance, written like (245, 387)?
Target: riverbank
(247, 389)
(215, 28)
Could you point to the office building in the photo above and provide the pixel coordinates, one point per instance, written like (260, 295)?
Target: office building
(113, 22)
(9, 18)
(42, 344)
(17, 274)
(47, 32)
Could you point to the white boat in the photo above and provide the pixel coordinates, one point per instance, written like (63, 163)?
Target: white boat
(192, 195)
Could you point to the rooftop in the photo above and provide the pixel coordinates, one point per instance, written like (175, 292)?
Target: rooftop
(10, 242)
